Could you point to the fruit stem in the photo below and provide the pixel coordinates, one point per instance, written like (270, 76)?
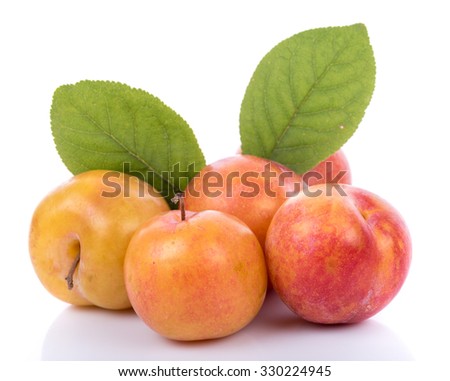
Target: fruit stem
(69, 277)
(179, 198)
(182, 208)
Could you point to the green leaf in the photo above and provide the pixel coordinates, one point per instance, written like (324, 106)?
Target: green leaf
(109, 125)
(308, 95)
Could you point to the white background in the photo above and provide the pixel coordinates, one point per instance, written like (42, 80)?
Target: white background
(198, 56)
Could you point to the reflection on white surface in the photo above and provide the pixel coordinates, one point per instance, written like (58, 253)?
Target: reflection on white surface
(275, 334)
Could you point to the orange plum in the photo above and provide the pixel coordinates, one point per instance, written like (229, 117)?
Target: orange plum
(252, 188)
(187, 281)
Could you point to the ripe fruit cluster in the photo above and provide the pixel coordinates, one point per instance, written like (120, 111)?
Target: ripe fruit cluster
(334, 253)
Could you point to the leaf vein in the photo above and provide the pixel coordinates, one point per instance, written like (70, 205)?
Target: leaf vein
(125, 148)
(316, 81)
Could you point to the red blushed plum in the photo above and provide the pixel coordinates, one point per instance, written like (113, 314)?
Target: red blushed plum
(335, 169)
(337, 254)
